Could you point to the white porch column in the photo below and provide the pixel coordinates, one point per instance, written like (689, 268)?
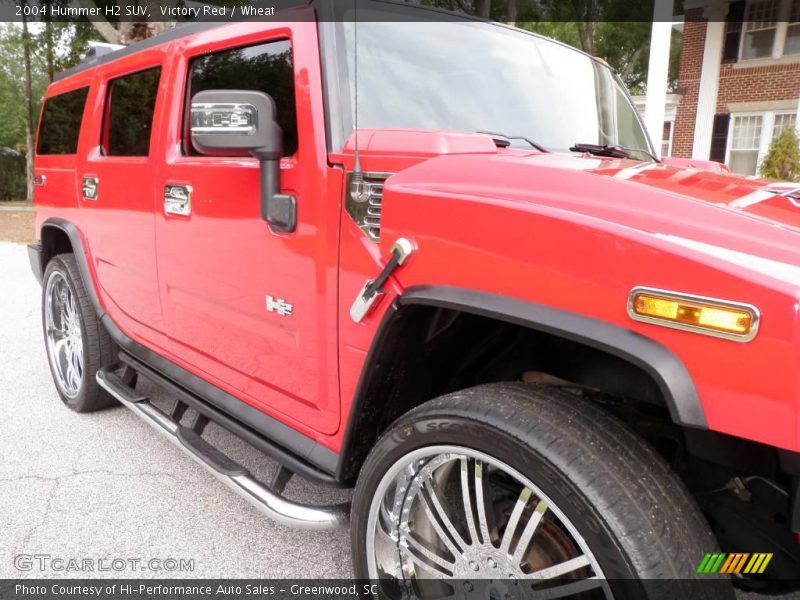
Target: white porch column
(658, 71)
(709, 83)
(797, 118)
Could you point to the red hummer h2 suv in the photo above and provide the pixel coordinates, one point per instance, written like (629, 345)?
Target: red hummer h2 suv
(435, 259)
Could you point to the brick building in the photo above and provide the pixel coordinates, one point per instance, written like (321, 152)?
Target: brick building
(739, 79)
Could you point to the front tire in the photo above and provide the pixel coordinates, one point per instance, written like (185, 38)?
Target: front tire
(76, 342)
(510, 484)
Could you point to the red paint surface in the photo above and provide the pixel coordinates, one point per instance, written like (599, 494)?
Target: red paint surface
(568, 231)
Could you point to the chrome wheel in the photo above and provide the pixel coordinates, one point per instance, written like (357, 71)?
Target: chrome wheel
(63, 335)
(468, 520)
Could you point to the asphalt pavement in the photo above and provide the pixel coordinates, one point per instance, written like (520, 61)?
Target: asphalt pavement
(106, 488)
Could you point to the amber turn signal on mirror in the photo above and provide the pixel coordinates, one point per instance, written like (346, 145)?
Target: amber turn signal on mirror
(710, 316)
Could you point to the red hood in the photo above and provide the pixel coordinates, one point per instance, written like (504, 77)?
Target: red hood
(393, 150)
(726, 216)
(752, 196)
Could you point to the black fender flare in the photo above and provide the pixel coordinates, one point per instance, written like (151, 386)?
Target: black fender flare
(39, 255)
(660, 363)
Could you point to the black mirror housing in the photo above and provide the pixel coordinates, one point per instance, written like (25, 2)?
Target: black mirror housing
(242, 123)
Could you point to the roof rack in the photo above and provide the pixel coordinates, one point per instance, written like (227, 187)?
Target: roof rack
(101, 48)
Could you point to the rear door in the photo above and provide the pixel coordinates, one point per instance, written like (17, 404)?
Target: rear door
(116, 181)
(250, 309)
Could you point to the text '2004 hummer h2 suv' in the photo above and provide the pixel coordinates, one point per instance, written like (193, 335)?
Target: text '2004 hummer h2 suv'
(538, 353)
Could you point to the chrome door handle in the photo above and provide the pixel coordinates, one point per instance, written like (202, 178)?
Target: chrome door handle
(178, 199)
(89, 187)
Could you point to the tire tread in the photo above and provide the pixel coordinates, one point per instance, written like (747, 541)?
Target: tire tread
(642, 502)
(99, 349)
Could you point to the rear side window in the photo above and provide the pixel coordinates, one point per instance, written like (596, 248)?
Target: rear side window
(61, 123)
(264, 68)
(129, 117)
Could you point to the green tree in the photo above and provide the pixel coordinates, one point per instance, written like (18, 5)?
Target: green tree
(27, 89)
(30, 55)
(12, 87)
(52, 49)
(783, 158)
(60, 45)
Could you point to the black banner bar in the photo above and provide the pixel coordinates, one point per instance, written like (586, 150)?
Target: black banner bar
(116, 11)
(346, 589)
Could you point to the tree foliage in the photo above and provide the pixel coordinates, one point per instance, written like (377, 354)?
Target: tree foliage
(52, 46)
(118, 31)
(783, 158)
(12, 79)
(12, 177)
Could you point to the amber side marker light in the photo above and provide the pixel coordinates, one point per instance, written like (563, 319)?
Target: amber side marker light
(710, 316)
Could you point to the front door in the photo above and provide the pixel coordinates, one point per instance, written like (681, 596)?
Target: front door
(250, 309)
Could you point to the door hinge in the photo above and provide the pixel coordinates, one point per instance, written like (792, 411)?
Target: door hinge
(373, 288)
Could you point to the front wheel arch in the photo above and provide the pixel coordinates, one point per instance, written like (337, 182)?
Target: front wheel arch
(404, 359)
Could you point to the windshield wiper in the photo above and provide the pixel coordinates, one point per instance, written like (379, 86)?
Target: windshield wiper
(612, 151)
(503, 140)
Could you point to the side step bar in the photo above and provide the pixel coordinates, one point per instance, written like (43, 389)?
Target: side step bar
(236, 477)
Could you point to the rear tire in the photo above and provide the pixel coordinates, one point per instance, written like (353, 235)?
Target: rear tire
(608, 506)
(76, 343)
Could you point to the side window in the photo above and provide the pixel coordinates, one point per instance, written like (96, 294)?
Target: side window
(264, 68)
(61, 123)
(129, 113)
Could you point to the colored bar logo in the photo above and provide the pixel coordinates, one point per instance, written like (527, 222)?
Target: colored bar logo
(737, 562)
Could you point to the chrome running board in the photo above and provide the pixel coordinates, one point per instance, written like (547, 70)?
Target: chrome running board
(233, 475)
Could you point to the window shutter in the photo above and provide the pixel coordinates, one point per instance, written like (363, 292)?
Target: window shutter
(733, 32)
(719, 137)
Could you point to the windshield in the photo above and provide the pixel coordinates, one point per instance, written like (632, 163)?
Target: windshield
(473, 76)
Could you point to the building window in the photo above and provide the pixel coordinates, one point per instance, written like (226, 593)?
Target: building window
(666, 139)
(782, 121)
(745, 143)
(792, 44)
(750, 137)
(760, 28)
(771, 29)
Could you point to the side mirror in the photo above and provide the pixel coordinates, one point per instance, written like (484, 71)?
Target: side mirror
(241, 123)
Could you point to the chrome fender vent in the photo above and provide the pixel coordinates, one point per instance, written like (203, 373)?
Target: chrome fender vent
(363, 202)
